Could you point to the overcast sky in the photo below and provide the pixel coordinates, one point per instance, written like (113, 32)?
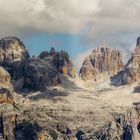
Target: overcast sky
(84, 24)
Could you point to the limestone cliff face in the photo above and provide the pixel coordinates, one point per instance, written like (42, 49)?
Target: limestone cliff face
(12, 49)
(12, 56)
(87, 71)
(61, 61)
(4, 76)
(132, 69)
(6, 88)
(39, 74)
(44, 71)
(63, 64)
(102, 60)
(7, 114)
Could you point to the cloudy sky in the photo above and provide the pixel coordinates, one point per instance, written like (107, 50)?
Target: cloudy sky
(74, 25)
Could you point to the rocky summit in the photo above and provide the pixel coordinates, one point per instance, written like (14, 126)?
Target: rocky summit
(34, 73)
(45, 70)
(102, 61)
(13, 55)
(61, 61)
(131, 72)
(11, 50)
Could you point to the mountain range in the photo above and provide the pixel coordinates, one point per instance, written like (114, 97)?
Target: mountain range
(45, 98)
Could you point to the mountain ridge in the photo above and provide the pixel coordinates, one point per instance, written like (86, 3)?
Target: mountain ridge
(56, 104)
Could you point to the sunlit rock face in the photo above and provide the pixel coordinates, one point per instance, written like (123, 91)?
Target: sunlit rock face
(13, 54)
(4, 76)
(132, 69)
(6, 88)
(12, 125)
(12, 49)
(102, 61)
(7, 114)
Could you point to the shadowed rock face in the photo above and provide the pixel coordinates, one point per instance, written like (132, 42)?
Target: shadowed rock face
(28, 131)
(60, 61)
(44, 71)
(132, 68)
(138, 41)
(12, 128)
(33, 73)
(39, 74)
(102, 60)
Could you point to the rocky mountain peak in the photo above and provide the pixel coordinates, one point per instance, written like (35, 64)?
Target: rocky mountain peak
(12, 49)
(132, 69)
(52, 51)
(60, 60)
(68, 111)
(102, 60)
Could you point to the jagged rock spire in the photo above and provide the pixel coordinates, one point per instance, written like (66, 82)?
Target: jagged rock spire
(12, 49)
(102, 60)
(132, 68)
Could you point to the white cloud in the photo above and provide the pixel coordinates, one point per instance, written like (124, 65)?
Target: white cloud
(96, 20)
(71, 16)
(45, 15)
